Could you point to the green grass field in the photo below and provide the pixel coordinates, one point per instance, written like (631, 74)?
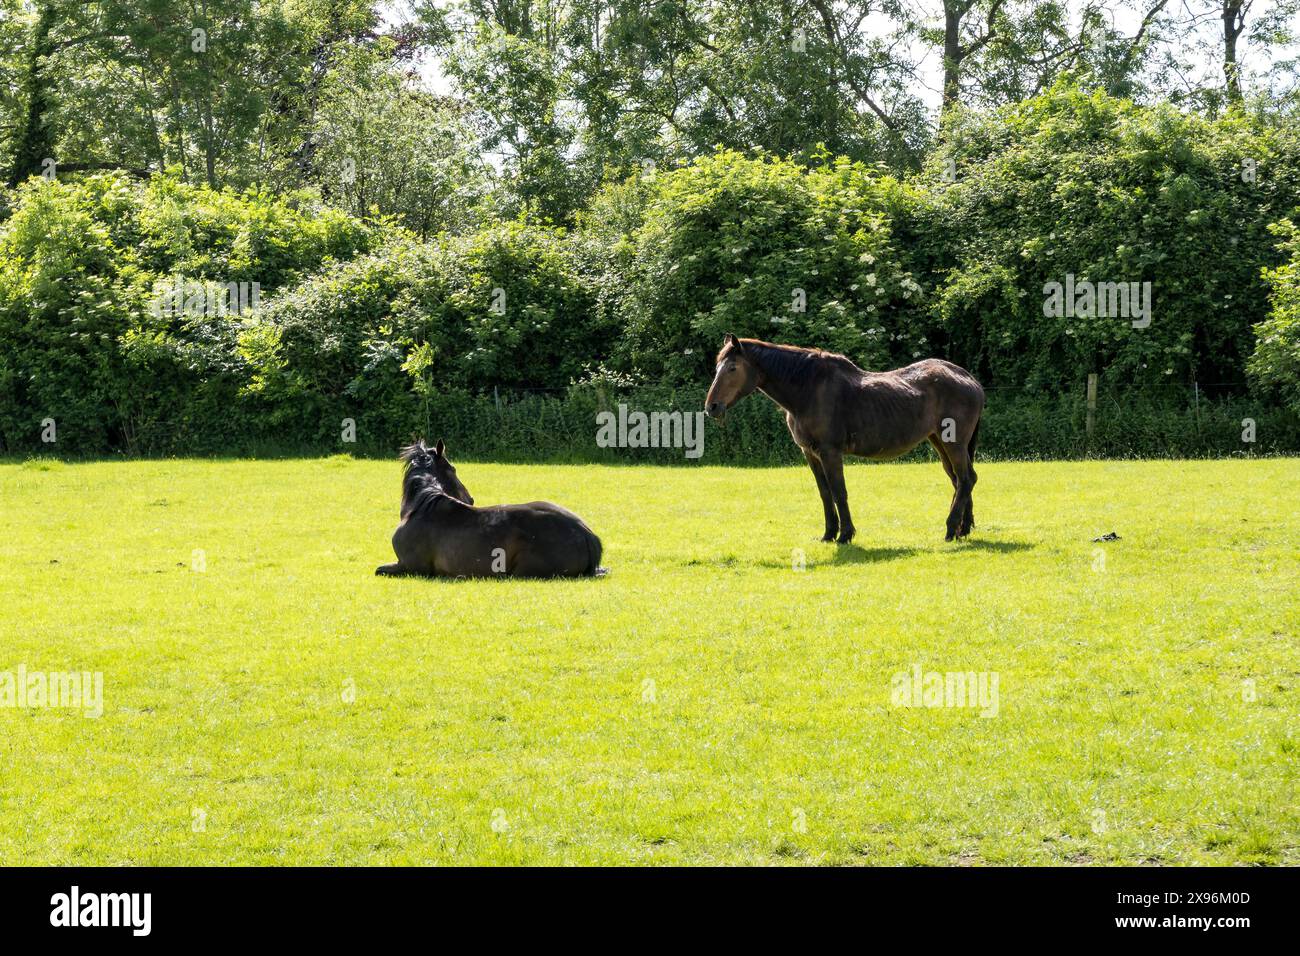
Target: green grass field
(267, 700)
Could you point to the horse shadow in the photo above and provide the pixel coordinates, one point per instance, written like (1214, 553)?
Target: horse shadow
(857, 554)
(998, 547)
(843, 554)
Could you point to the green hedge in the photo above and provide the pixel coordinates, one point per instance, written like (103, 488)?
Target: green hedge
(1108, 191)
(1275, 364)
(82, 266)
(362, 327)
(562, 426)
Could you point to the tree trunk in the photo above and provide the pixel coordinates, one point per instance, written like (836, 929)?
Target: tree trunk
(1234, 21)
(35, 141)
(209, 143)
(952, 52)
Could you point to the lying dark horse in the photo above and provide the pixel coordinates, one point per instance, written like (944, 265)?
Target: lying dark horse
(834, 408)
(442, 534)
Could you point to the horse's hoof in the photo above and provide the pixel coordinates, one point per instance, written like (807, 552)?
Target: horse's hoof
(949, 536)
(829, 536)
(844, 538)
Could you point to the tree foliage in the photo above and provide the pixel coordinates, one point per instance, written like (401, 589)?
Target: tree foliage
(1275, 364)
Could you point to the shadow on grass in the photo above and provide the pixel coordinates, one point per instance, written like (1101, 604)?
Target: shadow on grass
(1001, 547)
(856, 554)
(444, 580)
(843, 554)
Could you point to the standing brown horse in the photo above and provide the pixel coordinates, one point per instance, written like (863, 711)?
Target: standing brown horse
(834, 408)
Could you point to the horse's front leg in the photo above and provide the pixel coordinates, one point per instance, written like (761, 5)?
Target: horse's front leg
(833, 466)
(828, 503)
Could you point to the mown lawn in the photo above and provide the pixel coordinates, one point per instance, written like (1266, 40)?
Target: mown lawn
(270, 701)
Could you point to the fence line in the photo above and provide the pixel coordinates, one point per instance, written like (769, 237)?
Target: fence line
(536, 424)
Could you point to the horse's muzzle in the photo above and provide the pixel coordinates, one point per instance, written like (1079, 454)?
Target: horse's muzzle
(716, 410)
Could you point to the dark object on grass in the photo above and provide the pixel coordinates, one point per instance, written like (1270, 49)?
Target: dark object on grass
(833, 409)
(1108, 536)
(442, 534)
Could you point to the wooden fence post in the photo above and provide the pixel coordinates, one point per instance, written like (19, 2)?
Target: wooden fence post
(1092, 404)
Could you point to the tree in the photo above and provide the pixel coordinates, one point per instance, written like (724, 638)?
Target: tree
(33, 142)
(326, 28)
(961, 41)
(1205, 49)
(1234, 21)
(570, 93)
(997, 52)
(208, 86)
(384, 145)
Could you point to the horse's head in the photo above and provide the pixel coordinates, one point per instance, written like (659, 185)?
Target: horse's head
(736, 377)
(422, 460)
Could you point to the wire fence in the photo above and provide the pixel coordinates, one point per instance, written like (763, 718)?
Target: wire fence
(666, 425)
(1118, 420)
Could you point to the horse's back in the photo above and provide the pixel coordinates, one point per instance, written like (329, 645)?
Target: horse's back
(549, 539)
(883, 415)
(937, 371)
(545, 506)
(938, 384)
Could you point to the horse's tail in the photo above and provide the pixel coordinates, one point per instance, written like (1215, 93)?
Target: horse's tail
(594, 551)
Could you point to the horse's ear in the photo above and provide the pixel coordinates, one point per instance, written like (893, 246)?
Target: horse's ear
(730, 339)
(440, 449)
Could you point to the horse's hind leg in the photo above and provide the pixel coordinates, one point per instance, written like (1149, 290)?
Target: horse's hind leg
(968, 511)
(394, 570)
(828, 503)
(959, 515)
(968, 522)
(947, 467)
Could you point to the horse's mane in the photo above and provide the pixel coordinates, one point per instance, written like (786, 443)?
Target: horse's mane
(795, 364)
(421, 493)
(408, 454)
(420, 490)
